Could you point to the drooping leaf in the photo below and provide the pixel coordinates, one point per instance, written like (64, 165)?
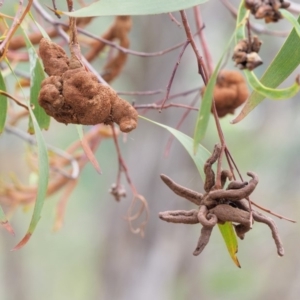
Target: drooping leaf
(132, 7)
(41, 29)
(204, 112)
(199, 159)
(187, 142)
(241, 18)
(37, 75)
(43, 177)
(230, 239)
(274, 94)
(3, 104)
(87, 150)
(279, 69)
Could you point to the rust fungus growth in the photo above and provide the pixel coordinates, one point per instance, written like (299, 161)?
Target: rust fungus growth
(245, 54)
(73, 95)
(230, 92)
(266, 9)
(219, 205)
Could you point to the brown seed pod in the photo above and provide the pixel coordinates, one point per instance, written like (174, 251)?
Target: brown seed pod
(245, 54)
(73, 95)
(230, 92)
(266, 9)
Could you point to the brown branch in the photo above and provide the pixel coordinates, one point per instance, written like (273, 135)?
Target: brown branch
(155, 106)
(206, 52)
(18, 19)
(173, 74)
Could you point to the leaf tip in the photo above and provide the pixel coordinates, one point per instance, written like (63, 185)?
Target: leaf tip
(23, 242)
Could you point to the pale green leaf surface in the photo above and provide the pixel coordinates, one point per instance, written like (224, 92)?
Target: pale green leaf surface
(230, 239)
(274, 94)
(43, 177)
(132, 7)
(187, 142)
(199, 159)
(3, 104)
(37, 76)
(43, 174)
(41, 29)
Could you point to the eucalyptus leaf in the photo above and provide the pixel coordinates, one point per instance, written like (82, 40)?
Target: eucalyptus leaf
(3, 103)
(288, 16)
(230, 239)
(43, 177)
(132, 7)
(37, 75)
(274, 94)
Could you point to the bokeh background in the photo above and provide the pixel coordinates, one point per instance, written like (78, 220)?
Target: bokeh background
(96, 256)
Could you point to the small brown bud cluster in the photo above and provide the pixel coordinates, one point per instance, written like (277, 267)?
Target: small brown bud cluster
(245, 54)
(266, 9)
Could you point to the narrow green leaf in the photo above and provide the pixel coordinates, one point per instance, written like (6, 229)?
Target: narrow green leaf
(280, 68)
(41, 29)
(287, 15)
(274, 94)
(132, 7)
(230, 239)
(43, 175)
(187, 142)
(204, 112)
(199, 159)
(241, 18)
(3, 104)
(37, 76)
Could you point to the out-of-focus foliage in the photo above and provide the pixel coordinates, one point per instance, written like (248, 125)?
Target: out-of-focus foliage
(133, 7)
(95, 256)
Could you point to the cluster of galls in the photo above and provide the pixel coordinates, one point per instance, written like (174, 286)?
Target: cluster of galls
(245, 54)
(219, 205)
(266, 9)
(73, 95)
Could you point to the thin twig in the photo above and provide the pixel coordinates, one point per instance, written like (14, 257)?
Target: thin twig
(155, 106)
(272, 213)
(173, 19)
(173, 73)
(141, 93)
(55, 9)
(206, 52)
(201, 66)
(16, 23)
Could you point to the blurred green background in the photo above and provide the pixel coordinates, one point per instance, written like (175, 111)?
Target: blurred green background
(95, 256)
